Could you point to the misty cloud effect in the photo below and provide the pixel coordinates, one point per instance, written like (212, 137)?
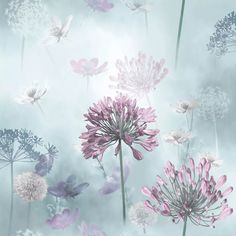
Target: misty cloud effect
(110, 36)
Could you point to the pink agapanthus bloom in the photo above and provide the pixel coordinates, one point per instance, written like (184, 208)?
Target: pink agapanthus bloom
(140, 75)
(190, 193)
(88, 68)
(64, 219)
(100, 5)
(91, 230)
(111, 121)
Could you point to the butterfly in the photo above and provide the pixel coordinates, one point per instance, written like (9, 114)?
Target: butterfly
(67, 189)
(58, 31)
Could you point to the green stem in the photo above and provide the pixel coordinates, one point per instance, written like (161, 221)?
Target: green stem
(179, 33)
(146, 21)
(185, 227)
(122, 183)
(11, 207)
(216, 139)
(22, 52)
(28, 215)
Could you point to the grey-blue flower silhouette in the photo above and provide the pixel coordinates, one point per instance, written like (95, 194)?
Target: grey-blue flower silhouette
(67, 189)
(223, 40)
(21, 145)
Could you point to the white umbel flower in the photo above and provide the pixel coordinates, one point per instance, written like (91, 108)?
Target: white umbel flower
(141, 215)
(30, 187)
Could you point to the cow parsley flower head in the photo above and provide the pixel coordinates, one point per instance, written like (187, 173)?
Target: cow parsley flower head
(190, 193)
(213, 103)
(141, 215)
(28, 17)
(223, 41)
(140, 75)
(30, 187)
(111, 121)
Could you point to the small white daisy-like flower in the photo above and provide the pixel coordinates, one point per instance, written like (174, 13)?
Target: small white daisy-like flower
(32, 94)
(27, 232)
(212, 159)
(185, 106)
(30, 187)
(177, 137)
(141, 215)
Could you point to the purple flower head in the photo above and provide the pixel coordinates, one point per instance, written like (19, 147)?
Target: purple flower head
(91, 230)
(100, 5)
(112, 182)
(223, 41)
(63, 220)
(190, 193)
(111, 121)
(68, 188)
(139, 76)
(88, 68)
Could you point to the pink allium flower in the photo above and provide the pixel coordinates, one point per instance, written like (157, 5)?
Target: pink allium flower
(100, 5)
(190, 193)
(88, 68)
(91, 230)
(177, 137)
(63, 220)
(111, 121)
(139, 76)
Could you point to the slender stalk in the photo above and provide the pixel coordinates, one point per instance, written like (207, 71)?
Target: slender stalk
(22, 52)
(190, 130)
(148, 100)
(102, 168)
(122, 182)
(28, 215)
(146, 20)
(12, 206)
(40, 108)
(88, 83)
(185, 227)
(179, 33)
(144, 229)
(216, 139)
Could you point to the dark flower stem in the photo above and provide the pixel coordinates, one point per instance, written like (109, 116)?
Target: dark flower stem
(185, 227)
(11, 207)
(179, 33)
(22, 52)
(28, 215)
(122, 182)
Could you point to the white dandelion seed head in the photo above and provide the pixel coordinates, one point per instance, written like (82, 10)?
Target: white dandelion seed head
(141, 215)
(30, 187)
(28, 17)
(27, 232)
(213, 103)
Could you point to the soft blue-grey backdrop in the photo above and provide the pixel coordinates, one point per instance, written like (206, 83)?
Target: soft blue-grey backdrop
(110, 36)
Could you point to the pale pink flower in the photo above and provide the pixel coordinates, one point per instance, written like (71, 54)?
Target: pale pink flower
(111, 121)
(100, 5)
(212, 159)
(91, 230)
(190, 193)
(140, 75)
(88, 68)
(64, 219)
(177, 137)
